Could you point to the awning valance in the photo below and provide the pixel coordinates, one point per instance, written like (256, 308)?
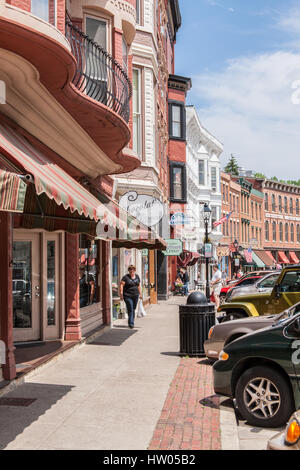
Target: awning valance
(283, 258)
(12, 192)
(294, 258)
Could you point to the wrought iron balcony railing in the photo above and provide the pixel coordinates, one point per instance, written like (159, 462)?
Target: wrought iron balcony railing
(98, 74)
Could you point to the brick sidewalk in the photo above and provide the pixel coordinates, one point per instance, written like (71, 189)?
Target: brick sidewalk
(190, 419)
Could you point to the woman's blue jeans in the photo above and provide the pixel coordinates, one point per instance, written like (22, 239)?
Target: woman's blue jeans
(131, 304)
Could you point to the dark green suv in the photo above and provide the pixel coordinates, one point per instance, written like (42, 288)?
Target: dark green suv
(262, 372)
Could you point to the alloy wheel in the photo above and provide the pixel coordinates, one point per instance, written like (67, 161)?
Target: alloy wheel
(262, 398)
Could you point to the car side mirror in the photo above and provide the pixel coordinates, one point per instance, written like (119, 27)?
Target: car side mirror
(277, 291)
(296, 326)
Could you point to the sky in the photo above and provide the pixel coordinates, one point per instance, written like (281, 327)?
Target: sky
(244, 60)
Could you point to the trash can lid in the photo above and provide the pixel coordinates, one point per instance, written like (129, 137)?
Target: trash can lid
(196, 298)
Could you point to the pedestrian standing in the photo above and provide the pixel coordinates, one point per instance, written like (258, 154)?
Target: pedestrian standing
(216, 284)
(185, 280)
(131, 292)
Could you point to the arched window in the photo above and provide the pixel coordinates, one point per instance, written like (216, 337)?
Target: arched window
(267, 230)
(274, 231)
(285, 204)
(286, 232)
(280, 203)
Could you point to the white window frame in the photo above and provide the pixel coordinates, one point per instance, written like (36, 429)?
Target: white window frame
(138, 147)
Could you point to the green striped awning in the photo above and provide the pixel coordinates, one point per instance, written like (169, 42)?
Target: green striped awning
(12, 192)
(258, 261)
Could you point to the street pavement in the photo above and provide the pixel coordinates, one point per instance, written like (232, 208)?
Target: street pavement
(125, 390)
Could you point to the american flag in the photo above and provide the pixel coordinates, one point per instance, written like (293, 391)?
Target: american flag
(223, 220)
(248, 255)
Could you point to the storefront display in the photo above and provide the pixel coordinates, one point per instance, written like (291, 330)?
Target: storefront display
(88, 271)
(145, 274)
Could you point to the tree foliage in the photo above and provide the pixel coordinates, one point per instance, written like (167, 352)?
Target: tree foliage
(232, 167)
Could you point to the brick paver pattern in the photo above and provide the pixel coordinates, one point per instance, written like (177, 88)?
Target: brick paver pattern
(190, 416)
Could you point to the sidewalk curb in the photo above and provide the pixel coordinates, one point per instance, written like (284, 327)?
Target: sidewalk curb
(60, 355)
(229, 429)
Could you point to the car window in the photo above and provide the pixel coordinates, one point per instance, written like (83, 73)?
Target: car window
(291, 282)
(269, 282)
(248, 282)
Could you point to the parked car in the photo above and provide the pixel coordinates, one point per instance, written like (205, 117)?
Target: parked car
(289, 439)
(285, 293)
(242, 282)
(261, 371)
(224, 333)
(264, 284)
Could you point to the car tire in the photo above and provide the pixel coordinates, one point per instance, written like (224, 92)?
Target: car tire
(222, 299)
(264, 398)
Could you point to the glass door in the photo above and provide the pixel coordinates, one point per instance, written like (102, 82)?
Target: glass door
(26, 287)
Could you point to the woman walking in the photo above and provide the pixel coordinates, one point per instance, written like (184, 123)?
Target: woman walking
(130, 291)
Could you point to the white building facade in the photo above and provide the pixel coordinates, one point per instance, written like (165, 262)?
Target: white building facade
(203, 186)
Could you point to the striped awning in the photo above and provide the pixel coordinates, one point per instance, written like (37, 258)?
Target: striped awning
(265, 257)
(294, 257)
(51, 180)
(282, 257)
(258, 261)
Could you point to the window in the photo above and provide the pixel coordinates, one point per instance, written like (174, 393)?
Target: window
(285, 204)
(291, 205)
(266, 202)
(298, 233)
(88, 271)
(44, 9)
(291, 282)
(273, 203)
(286, 232)
(125, 54)
(214, 179)
(96, 30)
(297, 206)
(214, 215)
(280, 203)
(274, 231)
(267, 230)
(292, 232)
(281, 231)
(201, 172)
(177, 182)
(269, 282)
(177, 124)
(138, 11)
(137, 115)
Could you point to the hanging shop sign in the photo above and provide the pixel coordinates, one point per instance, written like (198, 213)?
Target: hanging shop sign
(222, 251)
(180, 218)
(146, 209)
(208, 250)
(174, 248)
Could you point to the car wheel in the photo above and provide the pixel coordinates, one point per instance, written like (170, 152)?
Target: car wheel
(264, 398)
(222, 299)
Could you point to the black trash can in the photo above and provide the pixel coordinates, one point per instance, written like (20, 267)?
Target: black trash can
(195, 320)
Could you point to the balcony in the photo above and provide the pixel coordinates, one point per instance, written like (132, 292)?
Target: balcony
(98, 74)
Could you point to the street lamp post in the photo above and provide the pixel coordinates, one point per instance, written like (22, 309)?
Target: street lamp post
(206, 218)
(236, 246)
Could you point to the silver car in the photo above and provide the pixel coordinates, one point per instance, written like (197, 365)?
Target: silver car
(264, 284)
(224, 333)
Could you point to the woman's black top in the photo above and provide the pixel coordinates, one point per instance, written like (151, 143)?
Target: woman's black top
(131, 288)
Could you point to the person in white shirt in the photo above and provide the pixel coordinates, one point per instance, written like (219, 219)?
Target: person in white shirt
(216, 284)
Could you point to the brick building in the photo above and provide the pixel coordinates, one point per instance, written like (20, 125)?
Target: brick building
(65, 129)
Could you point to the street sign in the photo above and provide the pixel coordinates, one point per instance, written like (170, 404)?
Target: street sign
(208, 250)
(174, 248)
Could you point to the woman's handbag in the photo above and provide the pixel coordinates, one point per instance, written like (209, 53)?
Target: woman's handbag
(141, 311)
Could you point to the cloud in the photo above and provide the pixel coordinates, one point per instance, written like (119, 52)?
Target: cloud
(214, 3)
(249, 107)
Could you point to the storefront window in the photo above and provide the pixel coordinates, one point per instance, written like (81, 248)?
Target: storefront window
(115, 272)
(88, 272)
(145, 274)
(51, 283)
(22, 290)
